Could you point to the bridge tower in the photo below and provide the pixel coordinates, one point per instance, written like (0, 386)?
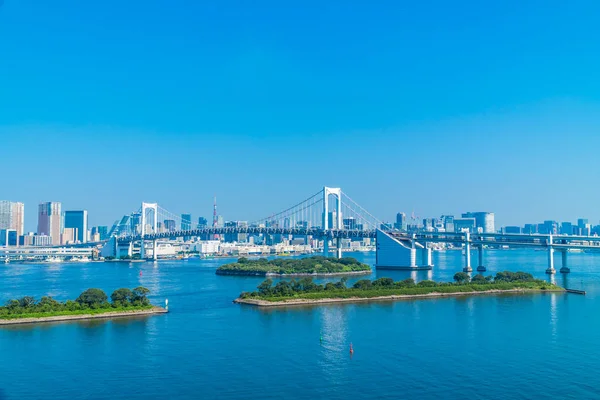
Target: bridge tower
(337, 192)
(153, 207)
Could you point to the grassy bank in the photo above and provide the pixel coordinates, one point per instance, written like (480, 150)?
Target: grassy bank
(95, 311)
(300, 266)
(306, 289)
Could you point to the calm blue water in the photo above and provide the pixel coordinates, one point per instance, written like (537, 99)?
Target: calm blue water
(503, 347)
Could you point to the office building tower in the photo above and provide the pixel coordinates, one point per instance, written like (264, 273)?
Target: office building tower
(49, 221)
(12, 216)
(448, 221)
(26, 240)
(350, 223)
(483, 220)
(77, 220)
(401, 222)
(220, 221)
(170, 225)
(186, 222)
(550, 227)
(9, 237)
(566, 228)
(511, 230)
(202, 223)
(69, 236)
(103, 232)
(465, 225)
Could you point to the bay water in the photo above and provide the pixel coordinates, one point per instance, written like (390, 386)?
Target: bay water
(479, 347)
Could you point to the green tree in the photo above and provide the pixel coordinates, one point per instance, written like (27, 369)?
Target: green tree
(363, 284)
(265, 287)
(121, 296)
(479, 279)
(27, 302)
(92, 298)
(139, 295)
(461, 277)
(383, 282)
(427, 283)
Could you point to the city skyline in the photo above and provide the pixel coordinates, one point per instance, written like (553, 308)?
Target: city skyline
(263, 119)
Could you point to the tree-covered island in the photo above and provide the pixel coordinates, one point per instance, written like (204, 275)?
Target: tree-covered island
(92, 302)
(317, 265)
(305, 291)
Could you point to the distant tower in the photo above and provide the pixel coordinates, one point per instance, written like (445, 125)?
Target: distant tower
(215, 218)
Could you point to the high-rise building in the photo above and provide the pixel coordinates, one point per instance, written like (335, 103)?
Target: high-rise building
(186, 222)
(350, 223)
(465, 224)
(530, 229)
(448, 221)
(400, 222)
(49, 221)
(103, 232)
(170, 225)
(9, 237)
(77, 220)
(12, 216)
(202, 223)
(483, 220)
(550, 227)
(69, 235)
(566, 228)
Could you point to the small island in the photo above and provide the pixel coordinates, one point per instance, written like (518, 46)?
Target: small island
(91, 304)
(317, 265)
(306, 292)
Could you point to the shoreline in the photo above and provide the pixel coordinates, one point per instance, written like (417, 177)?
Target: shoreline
(63, 318)
(394, 297)
(273, 274)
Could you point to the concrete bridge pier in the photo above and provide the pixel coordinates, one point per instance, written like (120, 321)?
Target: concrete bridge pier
(155, 249)
(550, 269)
(467, 267)
(427, 259)
(480, 267)
(565, 269)
(142, 249)
(326, 247)
(338, 248)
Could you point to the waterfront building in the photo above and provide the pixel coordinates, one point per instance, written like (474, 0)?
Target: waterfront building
(77, 220)
(483, 220)
(566, 228)
(12, 216)
(26, 240)
(401, 223)
(186, 222)
(9, 237)
(220, 221)
(550, 227)
(428, 224)
(69, 236)
(202, 223)
(448, 223)
(350, 223)
(512, 230)
(465, 224)
(170, 225)
(102, 231)
(135, 222)
(49, 221)
(530, 229)
(42, 240)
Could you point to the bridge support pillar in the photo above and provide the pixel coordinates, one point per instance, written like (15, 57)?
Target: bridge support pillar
(550, 269)
(155, 249)
(142, 249)
(326, 247)
(427, 259)
(565, 269)
(467, 267)
(480, 267)
(338, 248)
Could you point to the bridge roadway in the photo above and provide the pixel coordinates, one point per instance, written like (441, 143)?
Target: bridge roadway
(315, 232)
(501, 239)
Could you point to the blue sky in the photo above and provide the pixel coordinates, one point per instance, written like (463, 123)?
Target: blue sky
(432, 106)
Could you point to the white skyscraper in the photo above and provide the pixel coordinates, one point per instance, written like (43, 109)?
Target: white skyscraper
(12, 216)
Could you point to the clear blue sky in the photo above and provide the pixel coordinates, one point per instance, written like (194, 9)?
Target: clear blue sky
(432, 106)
